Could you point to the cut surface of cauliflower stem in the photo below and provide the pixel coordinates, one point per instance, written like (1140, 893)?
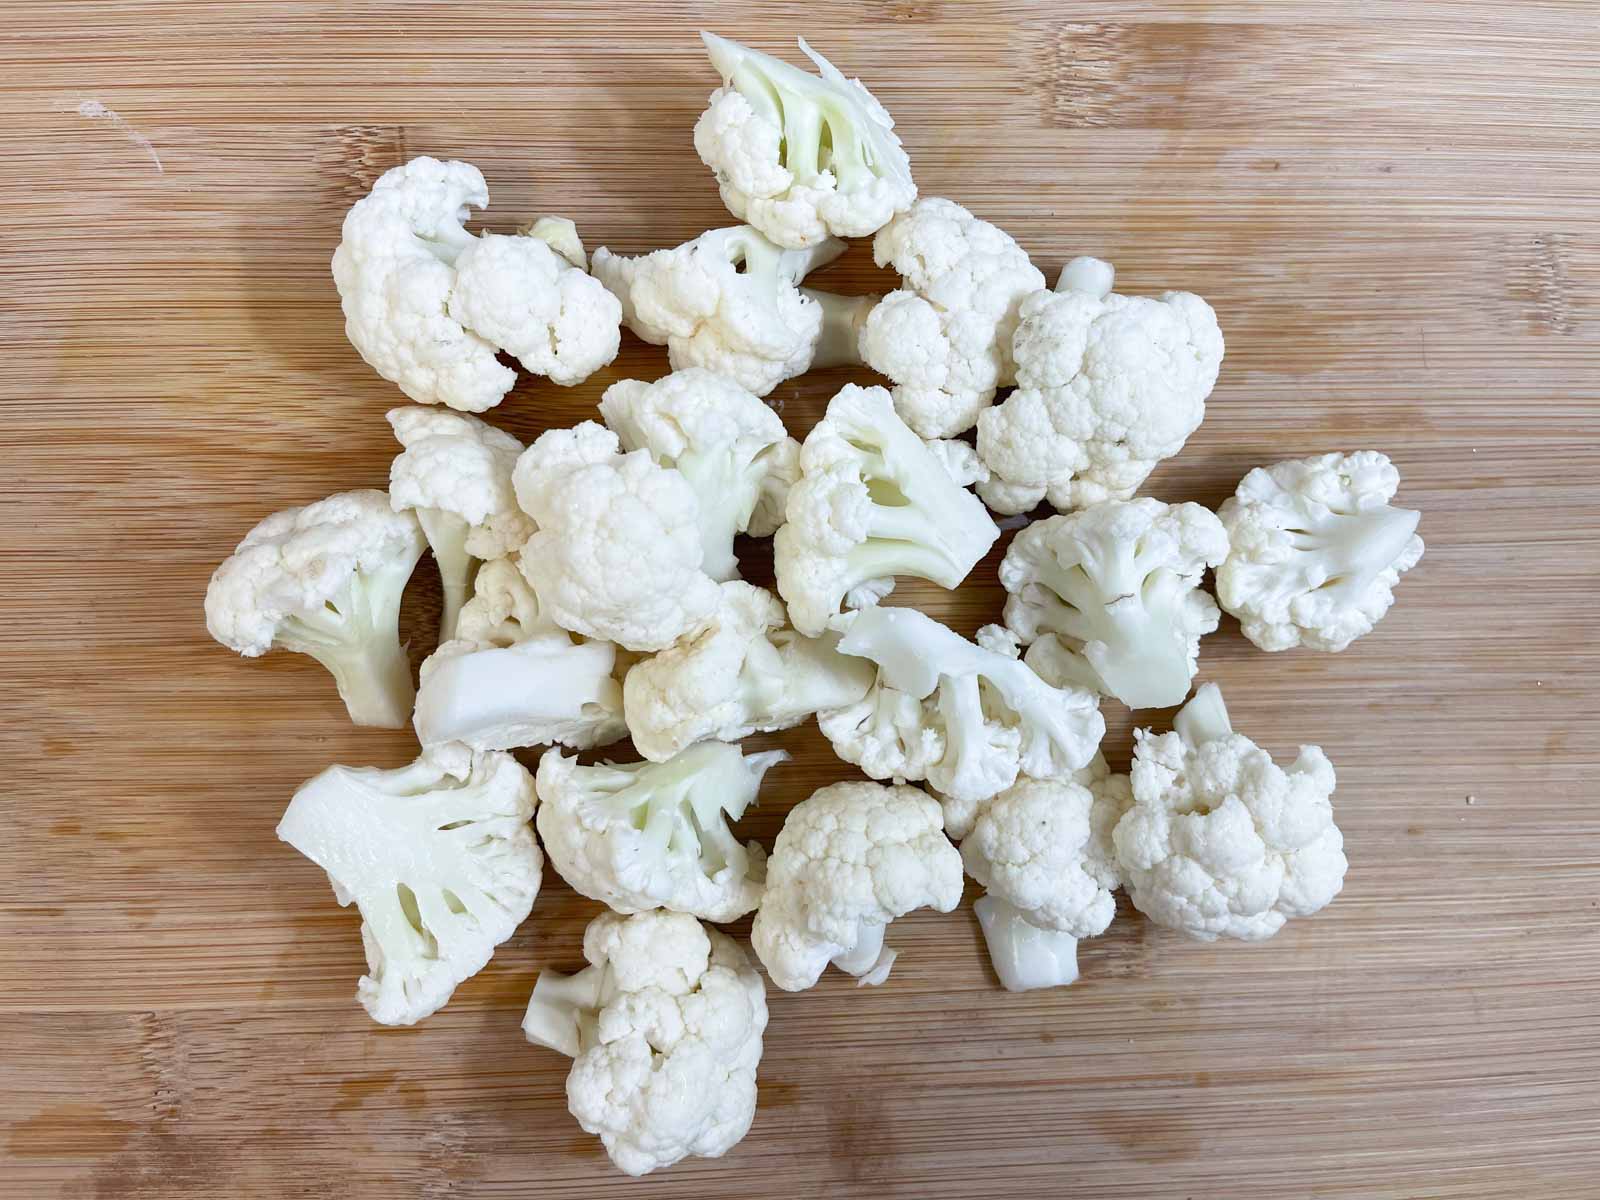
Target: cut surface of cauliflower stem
(800, 156)
(429, 305)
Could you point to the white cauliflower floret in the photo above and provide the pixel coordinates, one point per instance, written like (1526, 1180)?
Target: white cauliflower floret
(655, 835)
(455, 474)
(743, 673)
(1109, 598)
(798, 156)
(967, 718)
(945, 337)
(1317, 550)
(326, 580)
(1107, 387)
(730, 301)
(429, 305)
(848, 861)
(664, 1028)
(617, 548)
(439, 858)
(873, 502)
(732, 448)
(1222, 842)
(504, 608)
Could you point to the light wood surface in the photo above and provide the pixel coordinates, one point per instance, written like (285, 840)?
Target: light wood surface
(1393, 207)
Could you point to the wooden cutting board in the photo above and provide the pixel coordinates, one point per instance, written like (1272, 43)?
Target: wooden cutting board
(1393, 207)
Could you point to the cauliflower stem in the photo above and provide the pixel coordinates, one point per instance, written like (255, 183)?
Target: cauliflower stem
(447, 538)
(1025, 956)
(839, 343)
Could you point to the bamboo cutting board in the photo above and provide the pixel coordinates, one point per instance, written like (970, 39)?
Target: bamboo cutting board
(1393, 208)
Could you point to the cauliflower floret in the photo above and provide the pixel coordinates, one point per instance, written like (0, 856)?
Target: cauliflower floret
(743, 673)
(945, 337)
(1109, 598)
(429, 305)
(455, 474)
(967, 718)
(655, 835)
(732, 448)
(848, 861)
(326, 580)
(873, 501)
(730, 301)
(1107, 386)
(504, 608)
(797, 156)
(1317, 550)
(1222, 842)
(439, 858)
(617, 548)
(664, 1028)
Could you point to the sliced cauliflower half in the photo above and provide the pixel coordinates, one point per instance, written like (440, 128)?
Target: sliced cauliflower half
(730, 301)
(745, 672)
(1221, 841)
(1317, 550)
(326, 580)
(617, 551)
(968, 718)
(800, 156)
(1107, 387)
(848, 861)
(731, 447)
(655, 835)
(945, 337)
(429, 305)
(1109, 598)
(664, 1029)
(873, 501)
(438, 856)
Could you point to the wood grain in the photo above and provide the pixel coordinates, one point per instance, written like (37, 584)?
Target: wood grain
(1395, 208)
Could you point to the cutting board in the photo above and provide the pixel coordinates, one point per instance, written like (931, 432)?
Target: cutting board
(1392, 207)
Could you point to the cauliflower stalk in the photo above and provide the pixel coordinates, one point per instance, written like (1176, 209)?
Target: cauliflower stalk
(745, 672)
(455, 474)
(732, 448)
(945, 336)
(654, 835)
(1107, 387)
(429, 306)
(439, 858)
(664, 1029)
(326, 580)
(1109, 598)
(848, 861)
(1221, 841)
(1317, 550)
(800, 156)
(873, 501)
(968, 718)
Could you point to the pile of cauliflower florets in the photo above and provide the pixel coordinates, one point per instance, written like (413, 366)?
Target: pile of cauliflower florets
(592, 593)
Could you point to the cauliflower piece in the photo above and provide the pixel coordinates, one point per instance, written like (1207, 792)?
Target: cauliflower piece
(440, 860)
(1107, 387)
(617, 545)
(732, 448)
(797, 156)
(326, 580)
(504, 608)
(1317, 550)
(730, 301)
(1109, 598)
(664, 1028)
(873, 501)
(1221, 841)
(945, 336)
(654, 835)
(429, 305)
(848, 861)
(743, 673)
(455, 474)
(967, 718)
